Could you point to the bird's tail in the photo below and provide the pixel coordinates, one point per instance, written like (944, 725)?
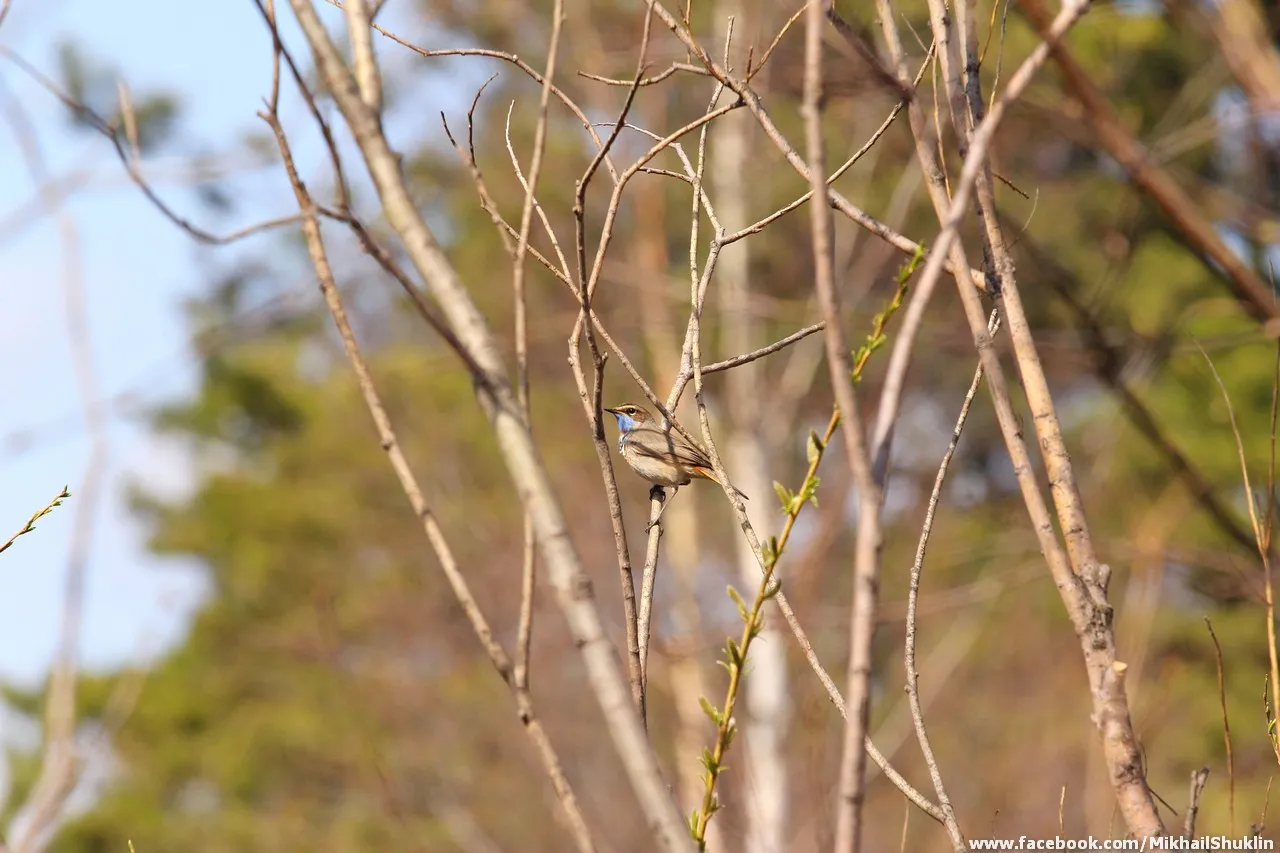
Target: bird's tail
(710, 474)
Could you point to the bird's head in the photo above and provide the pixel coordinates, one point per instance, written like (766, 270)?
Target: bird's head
(630, 416)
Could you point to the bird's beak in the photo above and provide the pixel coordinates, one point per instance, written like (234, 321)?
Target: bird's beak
(611, 411)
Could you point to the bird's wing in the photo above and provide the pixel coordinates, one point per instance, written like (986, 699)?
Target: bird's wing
(659, 444)
(666, 446)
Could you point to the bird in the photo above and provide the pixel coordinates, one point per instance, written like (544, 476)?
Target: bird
(659, 455)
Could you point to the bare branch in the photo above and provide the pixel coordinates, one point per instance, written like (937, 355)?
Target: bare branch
(60, 765)
(866, 568)
(413, 491)
(1261, 536)
(1181, 211)
(844, 167)
(647, 81)
(866, 53)
(1085, 598)
(751, 100)
(1108, 365)
(764, 59)
(913, 596)
(593, 404)
(365, 65)
(1226, 736)
(982, 138)
(522, 330)
(505, 57)
(685, 374)
(515, 444)
(737, 361)
(1241, 31)
(649, 577)
(1082, 581)
(133, 167)
(1198, 780)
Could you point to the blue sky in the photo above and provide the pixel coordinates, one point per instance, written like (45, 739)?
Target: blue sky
(138, 268)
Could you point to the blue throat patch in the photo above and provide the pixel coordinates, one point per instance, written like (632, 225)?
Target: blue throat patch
(625, 424)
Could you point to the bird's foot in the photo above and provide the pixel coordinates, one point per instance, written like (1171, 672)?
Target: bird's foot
(657, 493)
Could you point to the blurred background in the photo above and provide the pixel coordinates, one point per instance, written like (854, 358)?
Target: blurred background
(266, 656)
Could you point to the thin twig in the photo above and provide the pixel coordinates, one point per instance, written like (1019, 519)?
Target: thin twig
(527, 577)
(1259, 535)
(577, 111)
(1250, 498)
(1266, 801)
(1084, 596)
(60, 765)
(758, 226)
(913, 594)
(726, 726)
(1226, 733)
(739, 360)
(36, 516)
(869, 56)
(793, 622)
(607, 229)
(1183, 213)
(1270, 518)
(852, 778)
(592, 401)
(751, 100)
(1004, 27)
(133, 166)
(648, 578)
(647, 81)
(690, 353)
(981, 140)
(764, 59)
(1108, 364)
(590, 395)
(413, 491)
(530, 478)
(1198, 780)
(794, 503)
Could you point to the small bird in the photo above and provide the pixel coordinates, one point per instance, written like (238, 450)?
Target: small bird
(661, 456)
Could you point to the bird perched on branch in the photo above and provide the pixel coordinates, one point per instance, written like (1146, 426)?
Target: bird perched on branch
(660, 455)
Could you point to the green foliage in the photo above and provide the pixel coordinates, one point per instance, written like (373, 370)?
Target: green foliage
(792, 501)
(813, 450)
(255, 728)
